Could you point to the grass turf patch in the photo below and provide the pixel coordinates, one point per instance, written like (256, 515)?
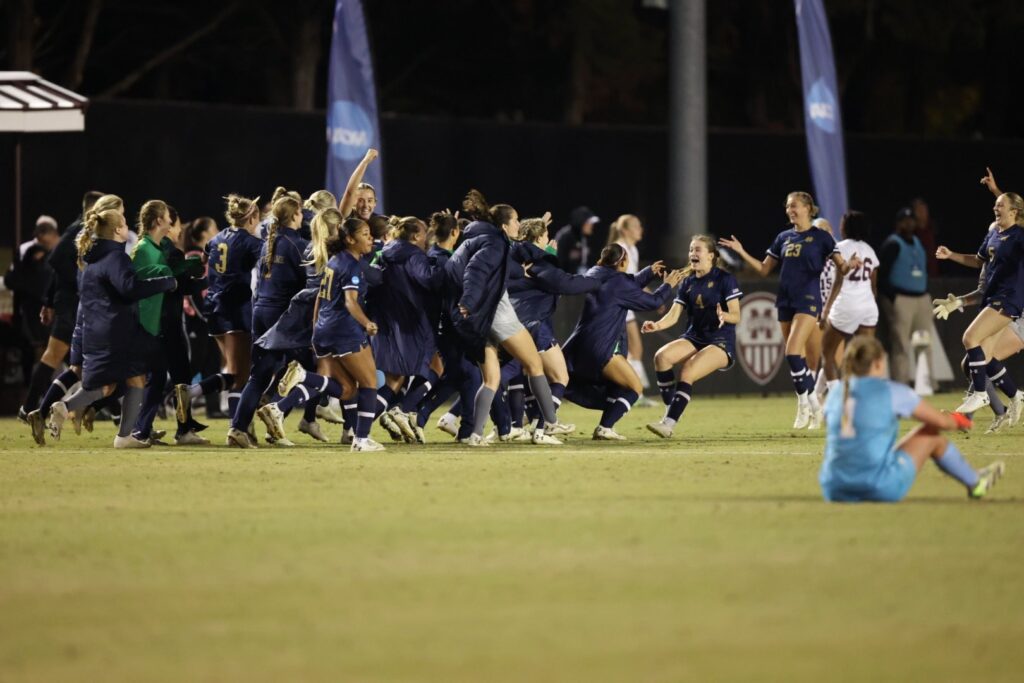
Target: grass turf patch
(705, 557)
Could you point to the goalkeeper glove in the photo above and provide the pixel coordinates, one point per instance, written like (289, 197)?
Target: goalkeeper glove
(943, 307)
(963, 423)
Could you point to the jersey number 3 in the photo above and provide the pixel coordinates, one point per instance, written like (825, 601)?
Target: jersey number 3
(222, 263)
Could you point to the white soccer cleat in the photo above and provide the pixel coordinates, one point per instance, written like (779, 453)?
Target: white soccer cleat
(330, 412)
(400, 418)
(607, 434)
(817, 417)
(999, 423)
(387, 422)
(448, 424)
(520, 434)
(293, 376)
(475, 441)
(130, 442)
(312, 429)
(987, 478)
(1016, 407)
(283, 442)
(366, 445)
(973, 401)
(273, 419)
(803, 414)
(55, 423)
(543, 439)
(238, 439)
(559, 428)
(661, 428)
(190, 438)
(413, 419)
(347, 437)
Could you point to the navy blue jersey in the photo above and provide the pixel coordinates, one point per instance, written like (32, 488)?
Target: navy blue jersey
(287, 272)
(701, 297)
(343, 273)
(802, 257)
(232, 255)
(601, 330)
(1003, 254)
(294, 329)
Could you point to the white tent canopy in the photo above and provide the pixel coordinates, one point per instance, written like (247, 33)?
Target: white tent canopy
(29, 104)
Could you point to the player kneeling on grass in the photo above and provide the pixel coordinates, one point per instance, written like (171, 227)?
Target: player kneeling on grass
(711, 298)
(863, 461)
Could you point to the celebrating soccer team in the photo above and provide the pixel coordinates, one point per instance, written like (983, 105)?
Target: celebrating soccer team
(393, 316)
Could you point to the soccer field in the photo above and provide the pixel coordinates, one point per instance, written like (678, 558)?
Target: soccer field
(707, 557)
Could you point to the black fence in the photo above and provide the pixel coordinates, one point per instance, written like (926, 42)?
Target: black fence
(192, 155)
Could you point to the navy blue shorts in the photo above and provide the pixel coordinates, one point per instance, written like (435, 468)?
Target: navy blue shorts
(791, 303)
(340, 347)
(64, 318)
(787, 313)
(721, 342)
(237, 319)
(1002, 304)
(543, 335)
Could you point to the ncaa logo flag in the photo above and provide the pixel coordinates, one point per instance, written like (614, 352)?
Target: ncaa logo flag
(822, 121)
(352, 125)
(759, 342)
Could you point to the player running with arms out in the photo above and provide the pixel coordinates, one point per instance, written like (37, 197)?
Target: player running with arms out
(863, 460)
(1002, 298)
(802, 251)
(851, 308)
(341, 335)
(601, 376)
(711, 297)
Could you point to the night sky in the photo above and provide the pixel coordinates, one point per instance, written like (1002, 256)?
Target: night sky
(906, 67)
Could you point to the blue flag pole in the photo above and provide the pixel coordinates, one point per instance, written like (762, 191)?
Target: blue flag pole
(822, 119)
(352, 123)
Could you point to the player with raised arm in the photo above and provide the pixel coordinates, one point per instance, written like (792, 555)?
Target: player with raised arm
(1002, 296)
(802, 251)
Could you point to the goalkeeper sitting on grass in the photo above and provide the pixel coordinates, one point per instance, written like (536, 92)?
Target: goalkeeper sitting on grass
(863, 461)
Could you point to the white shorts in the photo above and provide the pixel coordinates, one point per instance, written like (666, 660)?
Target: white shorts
(848, 319)
(506, 324)
(1018, 328)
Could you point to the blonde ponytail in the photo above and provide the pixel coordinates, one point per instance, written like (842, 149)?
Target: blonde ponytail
(861, 353)
(284, 209)
(96, 225)
(323, 228)
(240, 209)
(320, 200)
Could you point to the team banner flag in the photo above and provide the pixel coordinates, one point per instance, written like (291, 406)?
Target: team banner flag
(352, 124)
(822, 120)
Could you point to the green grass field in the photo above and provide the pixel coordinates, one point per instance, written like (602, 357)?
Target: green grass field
(709, 557)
